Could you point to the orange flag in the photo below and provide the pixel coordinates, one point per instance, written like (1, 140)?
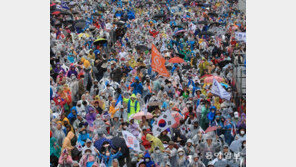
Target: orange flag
(158, 62)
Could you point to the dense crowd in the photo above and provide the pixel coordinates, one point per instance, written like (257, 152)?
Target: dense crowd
(102, 83)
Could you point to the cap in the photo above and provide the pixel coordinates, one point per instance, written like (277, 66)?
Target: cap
(171, 142)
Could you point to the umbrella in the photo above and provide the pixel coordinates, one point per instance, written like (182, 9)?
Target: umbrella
(204, 76)
(96, 14)
(65, 13)
(154, 103)
(210, 79)
(177, 116)
(75, 12)
(158, 16)
(213, 14)
(100, 41)
(179, 26)
(139, 115)
(99, 143)
(80, 24)
(56, 12)
(180, 31)
(211, 128)
(202, 22)
(236, 144)
(119, 23)
(223, 63)
(120, 142)
(83, 34)
(142, 47)
(207, 33)
(180, 55)
(176, 60)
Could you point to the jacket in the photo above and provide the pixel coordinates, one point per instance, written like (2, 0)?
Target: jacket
(67, 143)
(156, 142)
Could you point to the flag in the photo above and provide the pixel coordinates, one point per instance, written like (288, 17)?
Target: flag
(64, 5)
(233, 130)
(163, 122)
(119, 99)
(218, 90)
(131, 141)
(158, 62)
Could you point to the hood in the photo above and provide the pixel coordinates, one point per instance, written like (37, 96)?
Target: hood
(137, 78)
(74, 108)
(213, 108)
(70, 135)
(66, 119)
(149, 137)
(52, 141)
(147, 155)
(133, 96)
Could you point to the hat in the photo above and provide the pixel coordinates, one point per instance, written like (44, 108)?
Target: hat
(195, 155)
(88, 141)
(171, 142)
(180, 150)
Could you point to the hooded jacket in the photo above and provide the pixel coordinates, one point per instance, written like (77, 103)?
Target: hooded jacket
(67, 142)
(65, 163)
(150, 163)
(155, 142)
(55, 149)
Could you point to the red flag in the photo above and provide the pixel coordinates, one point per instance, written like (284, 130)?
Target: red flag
(157, 62)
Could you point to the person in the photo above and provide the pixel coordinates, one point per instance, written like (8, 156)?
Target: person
(164, 137)
(58, 133)
(55, 151)
(148, 160)
(171, 151)
(134, 127)
(155, 142)
(189, 149)
(65, 159)
(113, 109)
(181, 158)
(196, 161)
(137, 86)
(67, 143)
(87, 159)
(108, 156)
(133, 105)
(158, 157)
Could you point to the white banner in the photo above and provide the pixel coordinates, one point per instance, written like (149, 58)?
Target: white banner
(218, 90)
(131, 141)
(240, 36)
(164, 121)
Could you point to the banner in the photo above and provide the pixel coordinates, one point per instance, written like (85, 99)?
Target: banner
(163, 122)
(158, 62)
(131, 141)
(218, 90)
(240, 36)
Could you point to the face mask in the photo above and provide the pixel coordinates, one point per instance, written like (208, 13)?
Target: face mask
(83, 132)
(147, 159)
(157, 151)
(244, 145)
(107, 154)
(242, 132)
(124, 127)
(181, 153)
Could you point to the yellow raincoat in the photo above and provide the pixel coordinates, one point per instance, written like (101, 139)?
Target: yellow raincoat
(156, 142)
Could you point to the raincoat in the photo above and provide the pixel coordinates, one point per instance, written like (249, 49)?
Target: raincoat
(155, 142)
(67, 143)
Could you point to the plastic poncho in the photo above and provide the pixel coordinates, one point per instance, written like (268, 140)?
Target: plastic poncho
(55, 149)
(156, 142)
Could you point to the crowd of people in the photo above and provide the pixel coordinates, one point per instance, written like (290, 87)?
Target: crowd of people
(102, 83)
